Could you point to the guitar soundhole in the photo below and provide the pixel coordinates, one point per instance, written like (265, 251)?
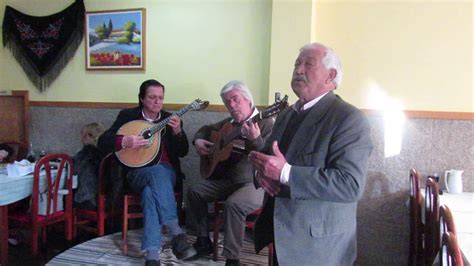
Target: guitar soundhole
(146, 134)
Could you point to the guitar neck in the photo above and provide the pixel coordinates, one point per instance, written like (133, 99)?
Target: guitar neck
(236, 132)
(162, 124)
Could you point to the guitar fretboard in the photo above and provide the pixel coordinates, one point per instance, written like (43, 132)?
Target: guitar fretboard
(162, 124)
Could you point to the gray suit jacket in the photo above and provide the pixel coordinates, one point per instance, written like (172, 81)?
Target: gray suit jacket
(314, 218)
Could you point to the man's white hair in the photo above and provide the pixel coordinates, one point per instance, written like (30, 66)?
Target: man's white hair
(330, 61)
(240, 86)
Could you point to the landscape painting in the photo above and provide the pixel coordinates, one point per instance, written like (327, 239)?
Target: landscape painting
(115, 40)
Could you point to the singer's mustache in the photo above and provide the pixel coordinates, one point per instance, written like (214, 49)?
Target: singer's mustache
(299, 78)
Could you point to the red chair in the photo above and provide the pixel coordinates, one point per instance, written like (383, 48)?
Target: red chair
(450, 252)
(130, 202)
(132, 210)
(82, 217)
(20, 150)
(249, 224)
(416, 225)
(431, 221)
(52, 175)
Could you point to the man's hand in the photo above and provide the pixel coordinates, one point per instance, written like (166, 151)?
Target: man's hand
(269, 166)
(133, 142)
(272, 187)
(202, 146)
(175, 124)
(250, 130)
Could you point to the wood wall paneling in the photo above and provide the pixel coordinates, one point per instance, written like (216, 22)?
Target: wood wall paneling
(222, 108)
(14, 113)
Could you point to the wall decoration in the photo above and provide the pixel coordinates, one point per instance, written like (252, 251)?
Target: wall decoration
(115, 39)
(44, 45)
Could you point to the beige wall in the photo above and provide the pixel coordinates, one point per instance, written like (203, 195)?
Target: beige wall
(194, 47)
(418, 52)
(291, 27)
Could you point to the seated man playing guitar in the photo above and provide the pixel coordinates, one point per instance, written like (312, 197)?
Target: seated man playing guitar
(232, 178)
(154, 181)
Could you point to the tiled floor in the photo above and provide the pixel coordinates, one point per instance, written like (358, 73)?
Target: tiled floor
(56, 243)
(106, 250)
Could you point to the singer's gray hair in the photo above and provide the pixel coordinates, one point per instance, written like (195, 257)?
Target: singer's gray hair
(240, 86)
(330, 61)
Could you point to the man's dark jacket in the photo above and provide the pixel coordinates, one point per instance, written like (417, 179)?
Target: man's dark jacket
(177, 145)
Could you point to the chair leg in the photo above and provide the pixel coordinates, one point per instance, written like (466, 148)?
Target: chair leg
(179, 211)
(101, 216)
(270, 254)
(74, 230)
(44, 235)
(34, 241)
(215, 244)
(125, 226)
(100, 224)
(69, 227)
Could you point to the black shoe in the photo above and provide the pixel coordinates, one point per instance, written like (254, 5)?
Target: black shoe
(181, 248)
(152, 263)
(203, 246)
(229, 262)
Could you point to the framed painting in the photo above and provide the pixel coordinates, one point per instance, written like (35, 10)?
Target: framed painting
(115, 39)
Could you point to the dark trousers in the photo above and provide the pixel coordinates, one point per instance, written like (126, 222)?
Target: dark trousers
(240, 200)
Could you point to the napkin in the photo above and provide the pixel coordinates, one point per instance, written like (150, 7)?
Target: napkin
(20, 168)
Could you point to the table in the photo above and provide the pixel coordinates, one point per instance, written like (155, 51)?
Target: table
(462, 209)
(12, 190)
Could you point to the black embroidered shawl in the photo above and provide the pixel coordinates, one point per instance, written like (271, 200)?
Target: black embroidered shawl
(44, 45)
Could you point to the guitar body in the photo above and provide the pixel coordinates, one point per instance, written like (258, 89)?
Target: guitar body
(225, 139)
(217, 153)
(138, 157)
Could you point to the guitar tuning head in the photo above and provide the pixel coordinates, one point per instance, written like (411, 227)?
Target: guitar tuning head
(198, 104)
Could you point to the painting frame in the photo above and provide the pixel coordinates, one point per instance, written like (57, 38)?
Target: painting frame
(115, 39)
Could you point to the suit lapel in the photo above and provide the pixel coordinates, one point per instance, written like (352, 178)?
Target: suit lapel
(307, 128)
(279, 130)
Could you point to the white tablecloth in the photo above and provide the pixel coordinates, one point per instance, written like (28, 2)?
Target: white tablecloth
(13, 189)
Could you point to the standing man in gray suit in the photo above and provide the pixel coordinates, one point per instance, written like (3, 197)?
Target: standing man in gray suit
(313, 168)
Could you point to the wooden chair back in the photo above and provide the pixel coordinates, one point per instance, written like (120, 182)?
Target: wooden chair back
(446, 222)
(450, 254)
(416, 225)
(431, 220)
(52, 177)
(83, 218)
(58, 169)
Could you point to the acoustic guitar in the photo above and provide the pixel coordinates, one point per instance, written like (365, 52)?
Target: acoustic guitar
(223, 140)
(138, 157)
